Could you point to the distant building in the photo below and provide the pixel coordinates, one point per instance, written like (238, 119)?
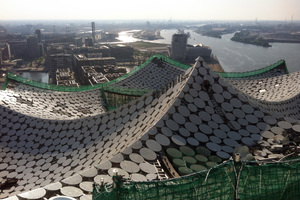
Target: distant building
(93, 33)
(121, 52)
(94, 55)
(195, 51)
(41, 50)
(183, 52)
(32, 47)
(82, 59)
(65, 77)
(53, 49)
(88, 42)
(104, 50)
(39, 35)
(18, 49)
(29, 28)
(5, 52)
(108, 37)
(1, 57)
(78, 41)
(3, 33)
(59, 61)
(89, 75)
(178, 48)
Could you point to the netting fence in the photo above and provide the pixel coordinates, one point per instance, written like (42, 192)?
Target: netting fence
(108, 86)
(115, 100)
(254, 72)
(230, 180)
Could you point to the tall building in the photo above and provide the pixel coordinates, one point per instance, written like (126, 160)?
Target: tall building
(32, 47)
(178, 49)
(38, 34)
(5, 53)
(1, 56)
(93, 32)
(18, 49)
(41, 50)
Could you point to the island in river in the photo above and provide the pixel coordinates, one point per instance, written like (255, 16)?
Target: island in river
(256, 33)
(247, 37)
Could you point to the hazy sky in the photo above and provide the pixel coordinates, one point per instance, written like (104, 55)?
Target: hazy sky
(150, 9)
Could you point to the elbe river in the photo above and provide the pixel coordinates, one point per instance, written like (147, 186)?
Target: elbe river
(235, 56)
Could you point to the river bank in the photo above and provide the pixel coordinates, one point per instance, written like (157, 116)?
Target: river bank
(239, 57)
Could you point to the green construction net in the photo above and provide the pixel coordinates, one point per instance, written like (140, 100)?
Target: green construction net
(227, 181)
(4, 84)
(214, 184)
(106, 86)
(271, 181)
(115, 100)
(280, 63)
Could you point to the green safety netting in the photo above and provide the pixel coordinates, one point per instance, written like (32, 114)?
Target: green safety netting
(214, 184)
(254, 72)
(113, 96)
(115, 100)
(106, 86)
(271, 181)
(231, 180)
(4, 84)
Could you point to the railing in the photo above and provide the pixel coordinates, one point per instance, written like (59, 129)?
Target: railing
(254, 72)
(106, 86)
(230, 180)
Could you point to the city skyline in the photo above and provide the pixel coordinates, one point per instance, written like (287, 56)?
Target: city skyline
(154, 10)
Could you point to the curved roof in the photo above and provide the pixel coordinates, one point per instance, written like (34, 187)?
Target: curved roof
(210, 118)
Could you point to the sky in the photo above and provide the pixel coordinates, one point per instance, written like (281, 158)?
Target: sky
(150, 9)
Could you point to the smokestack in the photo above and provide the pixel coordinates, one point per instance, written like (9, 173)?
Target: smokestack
(93, 32)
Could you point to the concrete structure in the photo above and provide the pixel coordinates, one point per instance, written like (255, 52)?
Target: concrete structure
(59, 61)
(193, 51)
(91, 77)
(32, 47)
(122, 53)
(1, 56)
(196, 110)
(65, 77)
(104, 50)
(88, 42)
(82, 59)
(78, 41)
(38, 35)
(5, 53)
(94, 55)
(178, 48)
(18, 48)
(93, 33)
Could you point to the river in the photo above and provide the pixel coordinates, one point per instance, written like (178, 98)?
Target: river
(36, 76)
(235, 56)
